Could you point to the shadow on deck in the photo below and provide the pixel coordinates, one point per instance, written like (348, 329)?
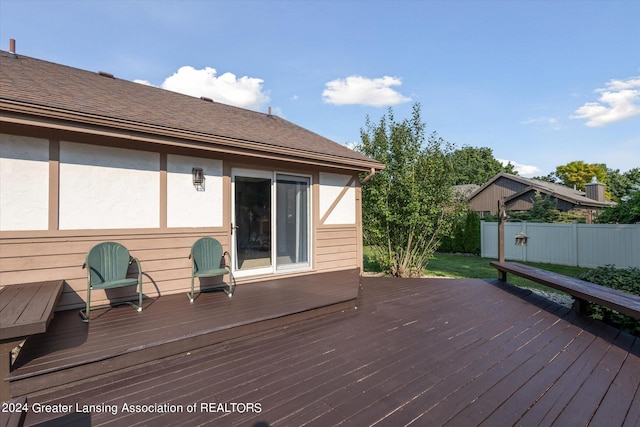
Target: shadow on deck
(415, 352)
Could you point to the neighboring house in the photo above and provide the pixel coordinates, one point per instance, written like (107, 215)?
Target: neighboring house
(86, 157)
(518, 194)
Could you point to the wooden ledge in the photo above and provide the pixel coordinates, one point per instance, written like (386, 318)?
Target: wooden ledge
(583, 291)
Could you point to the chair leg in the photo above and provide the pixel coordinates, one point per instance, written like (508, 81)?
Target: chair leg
(139, 307)
(232, 285)
(87, 310)
(191, 294)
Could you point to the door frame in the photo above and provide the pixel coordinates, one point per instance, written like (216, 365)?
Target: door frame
(272, 175)
(297, 266)
(249, 173)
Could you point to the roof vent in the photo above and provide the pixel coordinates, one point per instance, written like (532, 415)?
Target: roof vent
(105, 74)
(12, 48)
(204, 98)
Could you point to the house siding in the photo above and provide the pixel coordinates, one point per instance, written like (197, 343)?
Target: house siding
(165, 219)
(525, 202)
(207, 206)
(86, 159)
(337, 248)
(24, 183)
(519, 194)
(337, 199)
(499, 190)
(163, 255)
(106, 187)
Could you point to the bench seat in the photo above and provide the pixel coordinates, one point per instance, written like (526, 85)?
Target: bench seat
(25, 309)
(582, 291)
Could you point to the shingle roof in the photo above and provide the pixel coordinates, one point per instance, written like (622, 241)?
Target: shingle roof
(465, 190)
(58, 91)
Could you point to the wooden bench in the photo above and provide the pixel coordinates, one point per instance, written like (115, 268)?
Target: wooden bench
(582, 291)
(25, 310)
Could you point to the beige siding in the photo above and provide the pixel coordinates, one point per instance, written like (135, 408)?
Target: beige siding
(163, 255)
(336, 248)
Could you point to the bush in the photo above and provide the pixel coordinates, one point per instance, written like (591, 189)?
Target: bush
(623, 279)
(465, 237)
(627, 211)
(472, 234)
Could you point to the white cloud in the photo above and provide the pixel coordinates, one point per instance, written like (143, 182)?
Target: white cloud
(245, 92)
(143, 82)
(351, 145)
(361, 90)
(524, 170)
(620, 100)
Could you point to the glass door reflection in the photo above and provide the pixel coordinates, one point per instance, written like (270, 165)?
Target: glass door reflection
(252, 226)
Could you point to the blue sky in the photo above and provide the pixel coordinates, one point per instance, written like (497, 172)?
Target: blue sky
(541, 83)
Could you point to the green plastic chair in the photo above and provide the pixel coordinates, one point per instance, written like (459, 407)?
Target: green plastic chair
(107, 264)
(208, 260)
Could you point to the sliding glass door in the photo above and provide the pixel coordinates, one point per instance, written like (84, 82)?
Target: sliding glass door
(292, 221)
(252, 222)
(271, 225)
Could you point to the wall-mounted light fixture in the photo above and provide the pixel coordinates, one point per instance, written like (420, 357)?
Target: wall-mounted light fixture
(198, 178)
(521, 239)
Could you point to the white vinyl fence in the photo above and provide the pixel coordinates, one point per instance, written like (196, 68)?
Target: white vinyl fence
(583, 245)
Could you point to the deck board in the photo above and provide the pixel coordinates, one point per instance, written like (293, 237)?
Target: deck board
(415, 352)
(167, 323)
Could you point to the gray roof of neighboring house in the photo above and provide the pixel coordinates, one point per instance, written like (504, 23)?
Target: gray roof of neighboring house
(465, 190)
(41, 89)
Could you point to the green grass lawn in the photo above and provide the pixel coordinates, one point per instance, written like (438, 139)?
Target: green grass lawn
(461, 266)
(475, 267)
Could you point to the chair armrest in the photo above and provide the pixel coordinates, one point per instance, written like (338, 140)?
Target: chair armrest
(133, 259)
(224, 255)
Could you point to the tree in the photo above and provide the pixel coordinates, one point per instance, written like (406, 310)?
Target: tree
(552, 178)
(410, 205)
(578, 173)
(622, 184)
(472, 241)
(477, 165)
(627, 211)
(543, 209)
(465, 237)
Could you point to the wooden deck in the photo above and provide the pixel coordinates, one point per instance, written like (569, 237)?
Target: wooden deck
(118, 338)
(415, 352)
